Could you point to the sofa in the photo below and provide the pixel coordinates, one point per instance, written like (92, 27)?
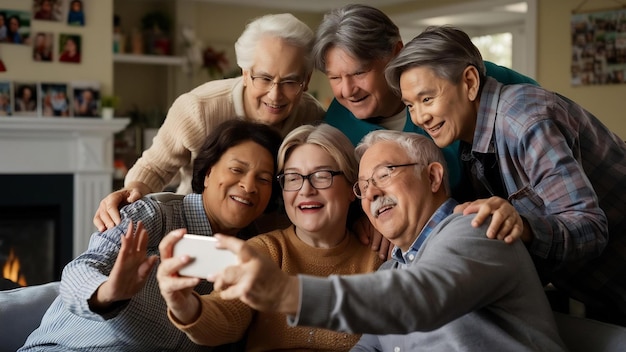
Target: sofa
(21, 310)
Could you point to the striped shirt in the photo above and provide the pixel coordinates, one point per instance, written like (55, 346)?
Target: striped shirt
(565, 173)
(139, 324)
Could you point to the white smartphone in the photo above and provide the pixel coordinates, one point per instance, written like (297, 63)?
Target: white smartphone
(206, 259)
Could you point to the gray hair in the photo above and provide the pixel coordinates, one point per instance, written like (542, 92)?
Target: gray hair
(364, 32)
(284, 26)
(446, 50)
(419, 148)
(329, 138)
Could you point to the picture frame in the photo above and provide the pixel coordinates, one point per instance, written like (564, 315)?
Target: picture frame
(85, 99)
(42, 46)
(70, 48)
(598, 47)
(25, 101)
(48, 10)
(76, 13)
(17, 24)
(54, 100)
(6, 98)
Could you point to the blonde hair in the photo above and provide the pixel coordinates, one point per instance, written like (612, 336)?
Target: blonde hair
(327, 137)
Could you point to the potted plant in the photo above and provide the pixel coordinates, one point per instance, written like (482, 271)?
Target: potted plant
(108, 103)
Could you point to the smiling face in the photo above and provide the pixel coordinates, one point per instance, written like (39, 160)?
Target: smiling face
(400, 209)
(70, 46)
(446, 111)
(238, 187)
(318, 214)
(360, 87)
(279, 61)
(14, 24)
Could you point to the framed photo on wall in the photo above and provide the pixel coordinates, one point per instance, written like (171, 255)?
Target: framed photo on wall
(42, 46)
(25, 102)
(17, 26)
(6, 95)
(76, 13)
(70, 48)
(48, 10)
(85, 99)
(598, 47)
(54, 100)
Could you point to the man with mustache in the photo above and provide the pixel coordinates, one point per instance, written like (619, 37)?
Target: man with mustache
(455, 289)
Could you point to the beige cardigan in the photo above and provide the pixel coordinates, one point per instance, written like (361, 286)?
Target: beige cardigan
(190, 120)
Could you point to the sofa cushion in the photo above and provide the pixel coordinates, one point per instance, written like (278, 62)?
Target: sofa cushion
(21, 310)
(584, 335)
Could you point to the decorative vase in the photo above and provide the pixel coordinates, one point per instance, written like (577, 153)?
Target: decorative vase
(107, 113)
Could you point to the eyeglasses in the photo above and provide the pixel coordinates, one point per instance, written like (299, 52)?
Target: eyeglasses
(293, 181)
(264, 83)
(380, 178)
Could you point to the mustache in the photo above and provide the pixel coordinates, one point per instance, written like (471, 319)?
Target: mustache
(382, 202)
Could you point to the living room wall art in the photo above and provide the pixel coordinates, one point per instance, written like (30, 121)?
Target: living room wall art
(598, 47)
(15, 26)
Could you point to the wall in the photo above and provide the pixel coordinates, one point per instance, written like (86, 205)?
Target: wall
(222, 24)
(96, 48)
(554, 50)
(219, 25)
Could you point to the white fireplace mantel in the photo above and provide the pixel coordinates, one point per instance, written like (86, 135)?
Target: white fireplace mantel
(82, 147)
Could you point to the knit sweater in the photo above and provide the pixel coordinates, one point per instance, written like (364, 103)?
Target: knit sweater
(225, 321)
(190, 120)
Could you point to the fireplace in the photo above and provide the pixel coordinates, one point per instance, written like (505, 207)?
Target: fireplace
(53, 174)
(35, 227)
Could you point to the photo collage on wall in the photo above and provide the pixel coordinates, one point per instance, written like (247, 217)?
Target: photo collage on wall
(50, 99)
(46, 99)
(599, 47)
(16, 27)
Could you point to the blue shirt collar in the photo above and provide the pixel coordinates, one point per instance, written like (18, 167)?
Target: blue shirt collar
(441, 213)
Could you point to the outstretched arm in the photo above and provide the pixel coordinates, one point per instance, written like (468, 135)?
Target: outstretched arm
(108, 212)
(257, 280)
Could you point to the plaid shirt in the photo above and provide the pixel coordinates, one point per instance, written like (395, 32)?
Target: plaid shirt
(565, 173)
(139, 324)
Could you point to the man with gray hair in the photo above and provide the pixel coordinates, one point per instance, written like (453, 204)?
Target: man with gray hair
(560, 167)
(455, 288)
(353, 45)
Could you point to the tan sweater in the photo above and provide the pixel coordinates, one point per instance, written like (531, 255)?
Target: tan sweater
(224, 322)
(190, 120)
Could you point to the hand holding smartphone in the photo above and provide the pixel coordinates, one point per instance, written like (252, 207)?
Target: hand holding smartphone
(206, 258)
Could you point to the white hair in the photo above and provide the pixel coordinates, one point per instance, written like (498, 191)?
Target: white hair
(284, 26)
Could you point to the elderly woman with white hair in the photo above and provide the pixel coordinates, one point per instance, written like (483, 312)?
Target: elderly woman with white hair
(274, 53)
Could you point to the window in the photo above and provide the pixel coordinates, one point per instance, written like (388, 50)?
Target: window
(497, 48)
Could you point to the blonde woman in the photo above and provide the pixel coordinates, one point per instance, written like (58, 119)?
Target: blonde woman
(318, 170)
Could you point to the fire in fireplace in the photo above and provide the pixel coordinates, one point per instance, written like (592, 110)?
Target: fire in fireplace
(35, 227)
(28, 244)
